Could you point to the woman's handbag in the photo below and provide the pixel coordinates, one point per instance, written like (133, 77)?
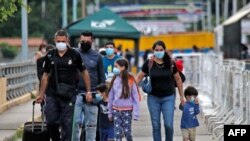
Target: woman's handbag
(146, 82)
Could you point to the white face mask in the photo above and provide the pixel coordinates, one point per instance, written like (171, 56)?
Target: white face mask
(61, 46)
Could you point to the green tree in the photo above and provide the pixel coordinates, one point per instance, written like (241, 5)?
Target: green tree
(9, 7)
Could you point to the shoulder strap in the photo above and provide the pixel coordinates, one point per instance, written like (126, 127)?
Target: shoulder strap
(172, 66)
(55, 67)
(131, 81)
(51, 54)
(150, 64)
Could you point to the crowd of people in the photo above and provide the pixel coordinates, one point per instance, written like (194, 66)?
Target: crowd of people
(92, 96)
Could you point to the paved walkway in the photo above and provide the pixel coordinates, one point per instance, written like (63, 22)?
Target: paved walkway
(142, 129)
(15, 117)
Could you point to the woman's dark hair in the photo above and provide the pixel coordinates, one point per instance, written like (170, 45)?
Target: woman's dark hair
(125, 78)
(102, 88)
(42, 46)
(166, 58)
(190, 91)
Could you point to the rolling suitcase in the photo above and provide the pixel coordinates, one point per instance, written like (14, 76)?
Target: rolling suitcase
(35, 131)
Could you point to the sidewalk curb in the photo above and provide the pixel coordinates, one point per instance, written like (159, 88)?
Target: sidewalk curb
(25, 98)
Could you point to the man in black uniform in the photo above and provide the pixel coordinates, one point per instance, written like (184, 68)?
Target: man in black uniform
(61, 66)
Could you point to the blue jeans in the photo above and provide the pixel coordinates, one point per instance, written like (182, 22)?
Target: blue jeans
(87, 113)
(107, 134)
(156, 105)
(78, 117)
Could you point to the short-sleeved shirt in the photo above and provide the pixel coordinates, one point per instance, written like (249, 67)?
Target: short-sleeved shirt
(162, 80)
(104, 121)
(67, 67)
(109, 63)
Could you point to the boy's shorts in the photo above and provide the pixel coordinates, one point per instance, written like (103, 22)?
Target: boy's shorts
(189, 133)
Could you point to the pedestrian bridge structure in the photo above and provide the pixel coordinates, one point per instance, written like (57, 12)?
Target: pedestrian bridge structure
(223, 86)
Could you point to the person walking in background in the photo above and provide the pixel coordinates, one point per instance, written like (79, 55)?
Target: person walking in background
(244, 52)
(119, 51)
(102, 51)
(164, 74)
(88, 111)
(190, 109)
(196, 49)
(61, 66)
(128, 56)
(41, 52)
(106, 126)
(123, 100)
(40, 62)
(146, 54)
(109, 59)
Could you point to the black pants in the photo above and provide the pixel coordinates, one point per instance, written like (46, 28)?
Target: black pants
(59, 114)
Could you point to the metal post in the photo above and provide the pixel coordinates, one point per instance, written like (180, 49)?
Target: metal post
(225, 9)
(209, 19)
(235, 6)
(24, 52)
(244, 3)
(217, 12)
(64, 13)
(97, 5)
(43, 8)
(84, 9)
(74, 8)
(203, 24)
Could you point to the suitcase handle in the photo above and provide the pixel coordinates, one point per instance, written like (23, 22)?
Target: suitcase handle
(33, 114)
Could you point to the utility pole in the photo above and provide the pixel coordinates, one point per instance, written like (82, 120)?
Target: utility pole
(244, 3)
(74, 8)
(84, 9)
(43, 8)
(97, 5)
(203, 22)
(217, 12)
(24, 52)
(225, 9)
(209, 13)
(64, 13)
(235, 6)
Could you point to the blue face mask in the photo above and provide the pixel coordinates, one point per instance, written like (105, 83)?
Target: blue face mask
(98, 98)
(109, 51)
(159, 54)
(192, 100)
(116, 71)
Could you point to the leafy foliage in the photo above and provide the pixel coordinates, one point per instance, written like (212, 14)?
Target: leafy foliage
(9, 7)
(9, 51)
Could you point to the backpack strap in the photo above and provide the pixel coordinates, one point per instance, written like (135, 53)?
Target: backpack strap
(51, 54)
(131, 81)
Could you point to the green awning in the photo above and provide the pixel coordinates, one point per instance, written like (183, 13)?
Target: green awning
(104, 23)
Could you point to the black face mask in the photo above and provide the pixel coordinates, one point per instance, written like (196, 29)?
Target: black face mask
(85, 46)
